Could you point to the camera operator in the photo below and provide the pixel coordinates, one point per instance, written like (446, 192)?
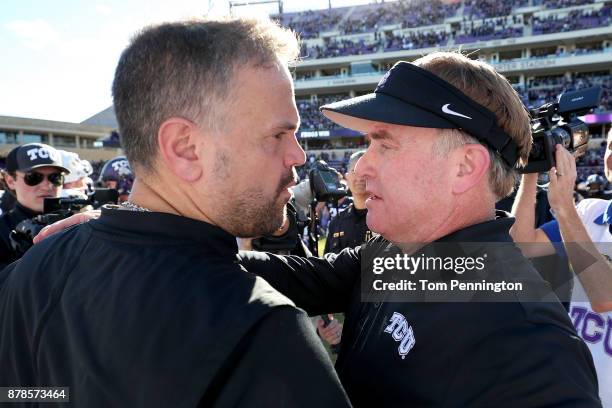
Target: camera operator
(34, 171)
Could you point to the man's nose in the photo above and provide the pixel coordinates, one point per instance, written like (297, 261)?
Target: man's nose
(364, 168)
(295, 155)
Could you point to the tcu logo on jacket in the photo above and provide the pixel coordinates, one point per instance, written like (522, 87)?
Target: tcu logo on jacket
(43, 153)
(401, 331)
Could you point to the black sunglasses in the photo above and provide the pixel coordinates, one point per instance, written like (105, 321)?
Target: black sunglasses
(33, 178)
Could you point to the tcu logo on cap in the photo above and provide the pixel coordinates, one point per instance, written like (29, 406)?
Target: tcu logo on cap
(43, 153)
(383, 79)
(401, 331)
(122, 167)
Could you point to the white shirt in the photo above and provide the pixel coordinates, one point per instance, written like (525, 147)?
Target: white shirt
(596, 328)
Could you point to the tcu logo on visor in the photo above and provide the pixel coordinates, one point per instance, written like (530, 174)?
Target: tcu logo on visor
(43, 153)
(401, 331)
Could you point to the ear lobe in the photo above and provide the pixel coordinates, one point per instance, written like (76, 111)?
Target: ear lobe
(177, 139)
(473, 163)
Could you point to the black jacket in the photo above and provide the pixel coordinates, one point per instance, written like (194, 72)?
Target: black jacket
(348, 229)
(141, 309)
(8, 222)
(504, 354)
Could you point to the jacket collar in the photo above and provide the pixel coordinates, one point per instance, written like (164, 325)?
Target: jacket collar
(156, 226)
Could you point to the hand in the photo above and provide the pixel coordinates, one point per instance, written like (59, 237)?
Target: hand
(562, 181)
(65, 223)
(332, 333)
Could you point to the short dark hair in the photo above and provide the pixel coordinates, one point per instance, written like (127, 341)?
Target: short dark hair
(184, 69)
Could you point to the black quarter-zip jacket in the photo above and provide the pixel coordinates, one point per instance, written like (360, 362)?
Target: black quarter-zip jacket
(141, 309)
(443, 354)
(8, 222)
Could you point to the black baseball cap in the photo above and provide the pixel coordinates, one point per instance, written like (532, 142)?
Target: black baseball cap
(31, 156)
(412, 96)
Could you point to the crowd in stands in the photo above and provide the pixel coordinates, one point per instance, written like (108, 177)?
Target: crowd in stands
(407, 14)
(309, 24)
(492, 29)
(311, 118)
(476, 9)
(416, 39)
(547, 88)
(574, 20)
(557, 4)
(482, 20)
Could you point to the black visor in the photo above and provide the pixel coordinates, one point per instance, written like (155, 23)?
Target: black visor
(412, 96)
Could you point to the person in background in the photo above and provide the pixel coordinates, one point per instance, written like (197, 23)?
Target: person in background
(580, 234)
(34, 171)
(117, 174)
(347, 229)
(77, 182)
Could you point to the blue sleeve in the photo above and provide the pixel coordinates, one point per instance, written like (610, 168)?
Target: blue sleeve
(551, 229)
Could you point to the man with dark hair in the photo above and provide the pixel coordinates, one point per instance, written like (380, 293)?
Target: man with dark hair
(147, 306)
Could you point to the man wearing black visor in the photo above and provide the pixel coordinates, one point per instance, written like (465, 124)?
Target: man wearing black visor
(34, 171)
(445, 135)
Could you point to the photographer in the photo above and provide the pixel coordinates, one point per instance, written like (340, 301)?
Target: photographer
(33, 172)
(585, 232)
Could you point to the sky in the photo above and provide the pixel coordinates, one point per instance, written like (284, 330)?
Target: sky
(58, 57)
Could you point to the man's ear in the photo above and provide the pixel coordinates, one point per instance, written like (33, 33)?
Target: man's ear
(177, 139)
(472, 164)
(9, 180)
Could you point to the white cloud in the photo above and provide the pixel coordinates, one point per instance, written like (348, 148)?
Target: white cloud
(36, 34)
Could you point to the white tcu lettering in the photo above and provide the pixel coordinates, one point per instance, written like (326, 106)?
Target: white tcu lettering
(122, 167)
(401, 331)
(407, 343)
(43, 153)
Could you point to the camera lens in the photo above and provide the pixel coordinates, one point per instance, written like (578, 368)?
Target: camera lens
(562, 136)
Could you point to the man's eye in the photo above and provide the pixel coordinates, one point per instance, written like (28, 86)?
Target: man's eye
(278, 136)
